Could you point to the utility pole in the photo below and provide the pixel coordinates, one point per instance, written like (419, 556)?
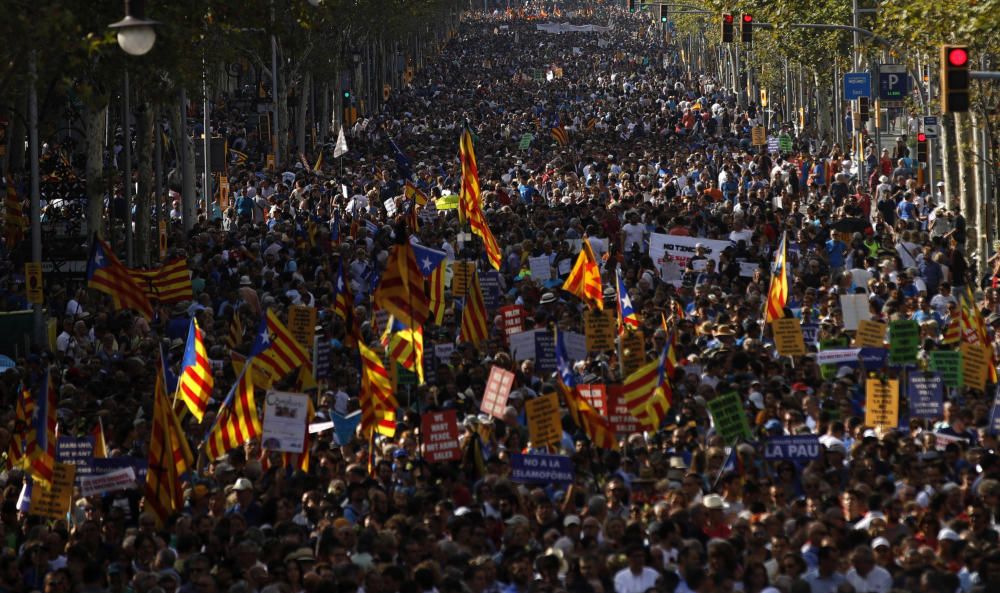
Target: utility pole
(127, 170)
(36, 211)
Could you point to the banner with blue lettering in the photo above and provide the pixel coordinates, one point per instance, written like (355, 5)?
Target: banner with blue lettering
(541, 469)
(803, 447)
(926, 395)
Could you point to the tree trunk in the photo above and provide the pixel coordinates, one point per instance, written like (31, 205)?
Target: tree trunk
(947, 139)
(143, 202)
(17, 132)
(283, 127)
(979, 198)
(967, 198)
(95, 122)
(300, 115)
(822, 116)
(185, 162)
(324, 117)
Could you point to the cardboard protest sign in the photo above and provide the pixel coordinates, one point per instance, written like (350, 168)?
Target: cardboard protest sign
(496, 392)
(462, 273)
(633, 351)
(54, 502)
(729, 418)
(804, 447)
(596, 395)
(284, 421)
(599, 327)
(439, 432)
(541, 469)
(854, 308)
(544, 428)
(302, 324)
(925, 394)
(948, 364)
(904, 342)
(621, 418)
(788, 337)
(870, 333)
(540, 268)
(975, 365)
(882, 403)
(513, 319)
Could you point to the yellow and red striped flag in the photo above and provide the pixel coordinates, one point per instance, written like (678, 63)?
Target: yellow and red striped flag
(275, 351)
(238, 421)
(401, 291)
(953, 330)
(235, 338)
(15, 222)
(413, 193)
(169, 457)
(974, 329)
(436, 297)
(597, 428)
(584, 279)
(100, 445)
(170, 283)
(17, 452)
(470, 205)
(406, 346)
(378, 404)
(194, 386)
(560, 135)
(647, 393)
(41, 442)
(475, 326)
(777, 295)
(107, 274)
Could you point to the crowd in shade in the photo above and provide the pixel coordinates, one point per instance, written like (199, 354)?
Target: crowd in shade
(549, 322)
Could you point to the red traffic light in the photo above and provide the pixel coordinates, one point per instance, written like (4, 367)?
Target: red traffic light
(958, 57)
(727, 18)
(921, 137)
(748, 18)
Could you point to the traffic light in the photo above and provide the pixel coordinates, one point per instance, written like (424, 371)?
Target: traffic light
(954, 78)
(746, 29)
(922, 147)
(863, 108)
(631, 6)
(347, 95)
(727, 28)
(663, 14)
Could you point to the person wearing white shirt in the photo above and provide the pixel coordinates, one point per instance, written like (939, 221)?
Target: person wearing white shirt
(865, 576)
(636, 577)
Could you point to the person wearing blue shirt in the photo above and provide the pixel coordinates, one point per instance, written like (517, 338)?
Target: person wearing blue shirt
(836, 251)
(907, 210)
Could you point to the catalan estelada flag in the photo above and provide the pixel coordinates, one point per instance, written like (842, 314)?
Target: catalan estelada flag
(584, 279)
(475, 325)
(378, 404)
(436, 293)
(627, 319)
(597, 428)
(194, 386)
(343, 303)
(560, 135)
(169, 457)
(401, 291)
(23, 411)
(238, 421)
(167, 284)
(107, 274)
(777, 295)
(470, 205)
(275, 351)
(41, 443)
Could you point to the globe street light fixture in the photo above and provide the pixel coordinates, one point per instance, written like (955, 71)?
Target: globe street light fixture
(136, 35)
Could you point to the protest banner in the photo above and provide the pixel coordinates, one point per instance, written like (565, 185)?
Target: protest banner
(284, 421)
(302, 324)
(596, 395)
(788, 337)
(489, 283)
(522, 345)
(544, 428)
(119, 479)
(948, 364)
(633, 351)
(729, 418)
(882, 403)
(545, 351)
(462, 272)
(54, 502)
(904, 342)
(540, 268)
(925, 394)
(513, 319)
(496, 392)
(870, 333)
(975, 365)
(439, 431)
(107, 465)
(681, 249)
(854, 308)
(621, 418)
(78, 452)
(810, 333)
(599, 327)
(541, 469)
(803, 447)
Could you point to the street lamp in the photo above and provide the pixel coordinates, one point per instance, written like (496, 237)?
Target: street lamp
(136, 35)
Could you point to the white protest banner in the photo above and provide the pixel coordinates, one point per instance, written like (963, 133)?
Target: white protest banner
(748, 268)
(576, 345)
(540, 268)
(316, 427)
(284, 421)
(522, 345)
(678, 249)
(855, 308)
(838, 357)
(120, 479)
(390, 206)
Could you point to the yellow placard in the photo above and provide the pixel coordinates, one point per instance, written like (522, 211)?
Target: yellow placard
(758, 136)
(788, 336)
(461, 276)
(163, 237)
(302, 324)
(270, 163)
(975, 365)
(54, 502)
(223, 192)
(870, 334)
(882, 403)
(33, 282)
(633, 351)
(449, 202)
(599, 328)
(543, 420)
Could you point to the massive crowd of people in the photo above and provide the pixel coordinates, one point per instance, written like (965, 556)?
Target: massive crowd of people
(653, 150)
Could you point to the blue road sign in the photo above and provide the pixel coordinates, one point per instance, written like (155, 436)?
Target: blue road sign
(893, 82)
(857, 85)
